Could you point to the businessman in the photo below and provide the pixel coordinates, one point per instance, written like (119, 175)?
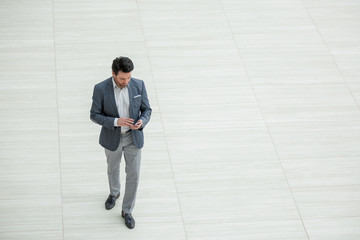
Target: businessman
(121, 106)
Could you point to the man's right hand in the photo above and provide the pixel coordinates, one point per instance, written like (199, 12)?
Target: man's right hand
(125, 122)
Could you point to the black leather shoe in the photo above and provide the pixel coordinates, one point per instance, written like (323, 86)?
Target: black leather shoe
(129, 220)
(110, 202)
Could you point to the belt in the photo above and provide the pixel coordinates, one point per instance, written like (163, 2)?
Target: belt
(123, 133)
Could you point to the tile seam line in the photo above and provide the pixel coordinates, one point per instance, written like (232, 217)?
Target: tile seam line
(329, 52)
(262, 115)
(58, 122)
(162, 122)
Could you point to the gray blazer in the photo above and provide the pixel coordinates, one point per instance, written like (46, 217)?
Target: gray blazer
(104, 111)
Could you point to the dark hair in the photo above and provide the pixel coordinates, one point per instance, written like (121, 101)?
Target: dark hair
(123, 64)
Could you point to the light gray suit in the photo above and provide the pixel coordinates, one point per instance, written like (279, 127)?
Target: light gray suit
(104, 111)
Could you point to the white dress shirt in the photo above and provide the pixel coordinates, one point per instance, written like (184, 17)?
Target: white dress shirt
(122, 104)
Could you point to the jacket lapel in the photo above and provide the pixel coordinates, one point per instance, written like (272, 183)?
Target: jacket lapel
(131, 95)
(112, 97)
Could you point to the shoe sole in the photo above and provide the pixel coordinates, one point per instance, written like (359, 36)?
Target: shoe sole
(109, 208)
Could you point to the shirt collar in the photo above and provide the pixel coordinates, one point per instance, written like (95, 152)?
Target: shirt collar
(113, 82)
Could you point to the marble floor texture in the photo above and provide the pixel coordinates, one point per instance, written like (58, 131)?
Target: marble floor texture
(255, 130)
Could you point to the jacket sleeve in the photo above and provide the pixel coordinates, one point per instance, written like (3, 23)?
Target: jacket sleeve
(145, 107)
(96, 111)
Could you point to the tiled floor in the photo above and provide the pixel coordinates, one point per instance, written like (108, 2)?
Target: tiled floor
(255, 132)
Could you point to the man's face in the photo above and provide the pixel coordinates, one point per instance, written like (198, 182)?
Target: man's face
(122, 79)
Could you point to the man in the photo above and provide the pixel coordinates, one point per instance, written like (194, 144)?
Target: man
(121, 106)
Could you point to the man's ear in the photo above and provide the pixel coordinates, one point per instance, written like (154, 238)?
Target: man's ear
(113, 74)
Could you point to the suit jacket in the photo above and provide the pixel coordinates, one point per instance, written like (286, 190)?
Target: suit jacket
(104, 111)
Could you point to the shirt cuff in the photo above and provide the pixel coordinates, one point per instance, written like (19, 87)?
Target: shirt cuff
(115, 122)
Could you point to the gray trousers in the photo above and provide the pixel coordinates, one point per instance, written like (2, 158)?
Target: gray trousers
(132, 156)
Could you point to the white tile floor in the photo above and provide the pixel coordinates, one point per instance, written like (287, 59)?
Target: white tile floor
(255, 132)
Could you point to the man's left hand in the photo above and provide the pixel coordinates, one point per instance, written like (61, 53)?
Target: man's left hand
(137, 125)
